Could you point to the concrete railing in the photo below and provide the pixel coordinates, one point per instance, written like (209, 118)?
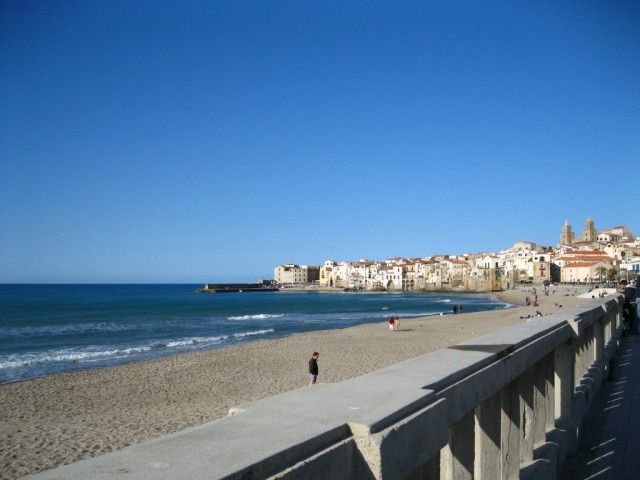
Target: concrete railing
(506, 405)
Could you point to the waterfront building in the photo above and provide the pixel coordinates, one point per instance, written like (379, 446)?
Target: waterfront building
(582, 259)
(454, 273)
(326, 273)
(392, 276)
(585, 272)
(581, 256)
(292, 274)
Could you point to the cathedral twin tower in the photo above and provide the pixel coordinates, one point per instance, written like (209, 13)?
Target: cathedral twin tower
(589, 233)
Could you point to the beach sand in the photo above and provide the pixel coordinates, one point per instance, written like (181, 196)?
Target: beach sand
(62, 418)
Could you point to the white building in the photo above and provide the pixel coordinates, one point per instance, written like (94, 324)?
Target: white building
(291, 274)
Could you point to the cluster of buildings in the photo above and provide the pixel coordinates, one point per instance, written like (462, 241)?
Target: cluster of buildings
(593, 257)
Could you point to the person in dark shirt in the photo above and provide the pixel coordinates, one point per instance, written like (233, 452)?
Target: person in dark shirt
(313, 368)
(629, 293)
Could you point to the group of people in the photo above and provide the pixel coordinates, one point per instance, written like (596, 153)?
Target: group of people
(457, 308)
(394, 323)
(538, 314)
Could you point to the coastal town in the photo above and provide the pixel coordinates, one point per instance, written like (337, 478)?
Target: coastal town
(592, 257)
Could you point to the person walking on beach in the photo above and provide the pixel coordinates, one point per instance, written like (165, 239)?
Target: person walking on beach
(313, 368)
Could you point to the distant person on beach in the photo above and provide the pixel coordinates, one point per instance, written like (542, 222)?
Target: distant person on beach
(392, 322)
(455, 309)
(313, 368)
(396, 323)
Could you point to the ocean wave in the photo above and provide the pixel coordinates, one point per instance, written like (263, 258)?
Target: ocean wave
(255, 332)
(259, 316)
(66, 355)
(66, 329)
(93, 354)
(185, 342)
(445, 300)
(194, 341)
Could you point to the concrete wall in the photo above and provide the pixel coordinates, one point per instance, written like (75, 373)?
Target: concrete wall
(506, 405)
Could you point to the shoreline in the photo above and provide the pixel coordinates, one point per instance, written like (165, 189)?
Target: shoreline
(156, 355)
(61, 418)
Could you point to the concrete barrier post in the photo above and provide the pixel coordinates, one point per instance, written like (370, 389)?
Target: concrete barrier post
(457, 457)
(540, 402)
(487, 464)
(526, 392)
(564, 383)
(599, 338)
(550, 396)
(593, 331)
(619, 316)
(510, 432)
(579, 352)
(592, 345)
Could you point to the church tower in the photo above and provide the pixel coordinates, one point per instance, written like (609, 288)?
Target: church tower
(589, 233)
(566, 236)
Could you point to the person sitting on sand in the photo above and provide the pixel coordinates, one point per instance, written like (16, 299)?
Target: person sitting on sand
(396, 323)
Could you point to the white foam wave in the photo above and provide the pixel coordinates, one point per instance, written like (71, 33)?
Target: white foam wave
(259, 316)
(66, 355)
(255, 332)
(445, 300)
(93, 354)
(195, 341)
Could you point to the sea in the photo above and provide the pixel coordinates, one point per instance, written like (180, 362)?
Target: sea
(47, 329)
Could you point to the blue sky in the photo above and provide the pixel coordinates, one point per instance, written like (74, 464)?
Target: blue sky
(211, 141)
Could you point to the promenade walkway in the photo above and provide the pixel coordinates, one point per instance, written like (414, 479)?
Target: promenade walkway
(610, 439)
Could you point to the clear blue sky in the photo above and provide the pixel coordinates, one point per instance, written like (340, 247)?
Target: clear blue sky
(210, 141)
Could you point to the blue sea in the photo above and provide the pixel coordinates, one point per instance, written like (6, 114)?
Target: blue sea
(58, 328)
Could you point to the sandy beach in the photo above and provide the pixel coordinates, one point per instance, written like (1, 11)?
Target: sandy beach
(63, 418)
